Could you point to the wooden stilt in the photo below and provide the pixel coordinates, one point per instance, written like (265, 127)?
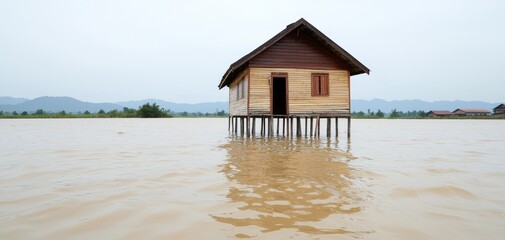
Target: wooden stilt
(283, 126)
(291, 127)
(241, 126)
(267, 128)
(262, 126)
(311, 125)
(305, 126)
(349, 127)
(328, 127)
(236, 127)
(287, 126)
(278, 120)
(248, 133)
(253, 130)
(318, 127)
(229, 117)
(298, 127)
(270, 126)
(336, 127)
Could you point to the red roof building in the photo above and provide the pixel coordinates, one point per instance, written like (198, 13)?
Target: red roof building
(438, 113)
(471, 112)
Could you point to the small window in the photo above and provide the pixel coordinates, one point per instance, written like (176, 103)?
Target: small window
(240, 89)
(320, 84)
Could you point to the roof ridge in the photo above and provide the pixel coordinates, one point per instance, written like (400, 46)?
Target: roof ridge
(335, 48)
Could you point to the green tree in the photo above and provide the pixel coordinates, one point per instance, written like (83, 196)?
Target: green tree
(394, 114)
(221, 113)
(151, 111)
(87, 112)
(24, 113)
(359, 114)
(379, 114)
(15, 113)
(129, 112)
(113, 113)
(101, 111)
(39, 112)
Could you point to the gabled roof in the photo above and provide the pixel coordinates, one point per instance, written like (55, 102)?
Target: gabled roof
(440, 112)
(241, 64)
(499, 106)
(472, 110)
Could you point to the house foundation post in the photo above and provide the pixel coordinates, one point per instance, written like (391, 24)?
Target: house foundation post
(328, 127)
(349, 127)
(336, 127)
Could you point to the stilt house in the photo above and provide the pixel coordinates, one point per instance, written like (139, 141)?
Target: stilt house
(298, 73)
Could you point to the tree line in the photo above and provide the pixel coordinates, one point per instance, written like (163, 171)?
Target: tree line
(393, 114)
(145, 111)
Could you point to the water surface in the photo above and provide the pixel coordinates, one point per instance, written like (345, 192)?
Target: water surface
(188, 179)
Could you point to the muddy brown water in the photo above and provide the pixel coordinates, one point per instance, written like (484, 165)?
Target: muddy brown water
(189, 179)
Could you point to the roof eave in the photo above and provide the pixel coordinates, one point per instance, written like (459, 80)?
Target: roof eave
(356, 66)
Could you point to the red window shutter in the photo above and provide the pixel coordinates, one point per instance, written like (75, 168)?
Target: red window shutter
(325, 85)
(315, 85)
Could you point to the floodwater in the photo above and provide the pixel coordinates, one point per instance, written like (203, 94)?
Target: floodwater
(188, 179)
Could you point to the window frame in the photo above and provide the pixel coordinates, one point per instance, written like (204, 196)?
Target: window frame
(241, 89)
(320, 84)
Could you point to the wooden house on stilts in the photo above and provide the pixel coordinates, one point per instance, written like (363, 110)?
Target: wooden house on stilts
(291, 82)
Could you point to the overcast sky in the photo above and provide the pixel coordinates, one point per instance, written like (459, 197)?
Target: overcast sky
(107, 51)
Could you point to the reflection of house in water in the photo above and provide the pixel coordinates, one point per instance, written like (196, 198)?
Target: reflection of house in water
(301, 186)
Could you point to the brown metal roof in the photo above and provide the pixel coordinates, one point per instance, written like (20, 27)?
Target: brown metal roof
(501, 106)
(472, 110)
(440, 112)
(236, 67)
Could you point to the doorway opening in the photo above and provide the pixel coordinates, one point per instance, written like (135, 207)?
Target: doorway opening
(279, 100)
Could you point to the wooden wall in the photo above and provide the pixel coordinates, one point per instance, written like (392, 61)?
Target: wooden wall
(299, 85)
(238, 107)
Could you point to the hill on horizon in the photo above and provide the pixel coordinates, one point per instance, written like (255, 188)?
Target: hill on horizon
(72, 105)
(417, 105)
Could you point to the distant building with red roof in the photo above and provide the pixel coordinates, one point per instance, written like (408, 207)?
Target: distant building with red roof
(438, 113)
(471, 112)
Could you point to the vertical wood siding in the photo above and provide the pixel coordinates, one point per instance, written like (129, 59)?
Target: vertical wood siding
(300, 100)
(238, 107)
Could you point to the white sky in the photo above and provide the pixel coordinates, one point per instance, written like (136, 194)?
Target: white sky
(107, 51)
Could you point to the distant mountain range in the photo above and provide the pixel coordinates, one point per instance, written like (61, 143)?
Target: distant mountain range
(411, 105)
(72, 105)
(68, 104)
